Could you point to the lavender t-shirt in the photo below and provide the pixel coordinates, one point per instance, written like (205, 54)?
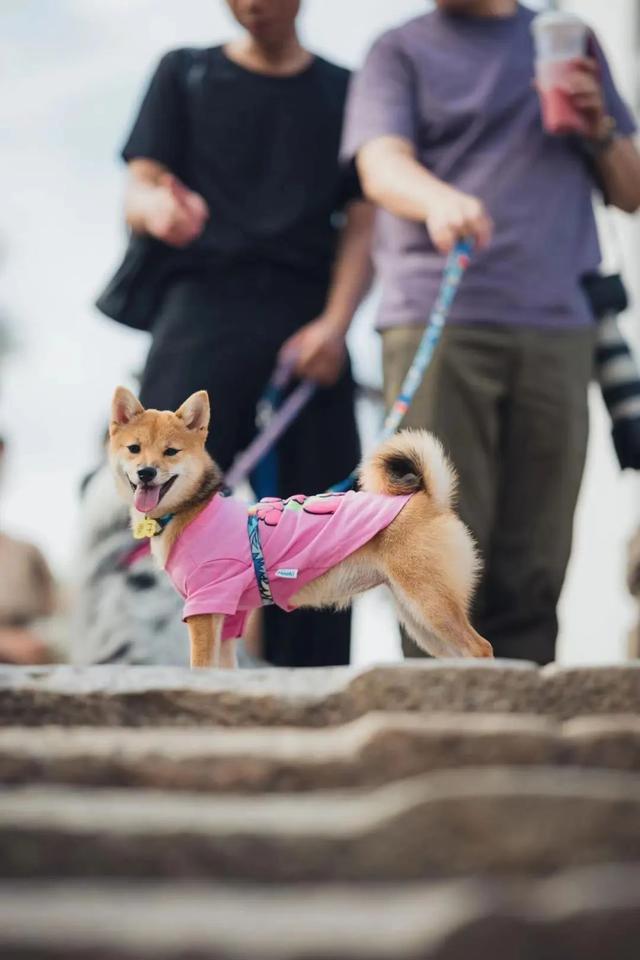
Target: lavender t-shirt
(460, 89)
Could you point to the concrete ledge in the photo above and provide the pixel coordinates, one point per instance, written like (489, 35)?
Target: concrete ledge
(569, 692)
(142, 696)
(579, 915)
(612, 742)
(489, 820)
(370, 751)
(152, 696)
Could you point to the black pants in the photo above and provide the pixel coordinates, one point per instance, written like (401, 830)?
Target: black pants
(222, 334)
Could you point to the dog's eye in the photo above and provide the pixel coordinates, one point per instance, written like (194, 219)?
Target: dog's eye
(134, 448)
(170, 452)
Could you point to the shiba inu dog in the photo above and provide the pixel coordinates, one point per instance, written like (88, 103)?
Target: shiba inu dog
(226, 559)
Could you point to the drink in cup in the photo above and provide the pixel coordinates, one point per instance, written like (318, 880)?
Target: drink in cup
(559, 39)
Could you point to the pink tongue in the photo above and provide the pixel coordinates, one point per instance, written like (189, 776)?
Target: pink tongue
(146, 498)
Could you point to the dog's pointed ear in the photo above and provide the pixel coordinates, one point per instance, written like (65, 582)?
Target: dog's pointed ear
(195, 411)
(124, 407)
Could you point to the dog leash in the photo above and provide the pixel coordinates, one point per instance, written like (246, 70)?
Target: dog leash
(272, 420)
(457, 262)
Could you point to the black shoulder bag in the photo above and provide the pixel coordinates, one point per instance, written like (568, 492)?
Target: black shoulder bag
(134, 294)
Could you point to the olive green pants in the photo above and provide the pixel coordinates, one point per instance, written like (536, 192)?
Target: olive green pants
(510, 406)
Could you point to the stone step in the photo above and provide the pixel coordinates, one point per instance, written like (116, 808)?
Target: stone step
(612, 742)
(153, 696)
(579, 915)
(371, 750)
(444, 824)
(149, 696)
(567, 692)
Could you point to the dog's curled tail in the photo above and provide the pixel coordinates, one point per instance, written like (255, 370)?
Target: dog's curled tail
(410, 461)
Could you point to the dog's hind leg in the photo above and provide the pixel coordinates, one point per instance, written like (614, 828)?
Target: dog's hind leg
(420, 634)
(205, 635)
(438, 623)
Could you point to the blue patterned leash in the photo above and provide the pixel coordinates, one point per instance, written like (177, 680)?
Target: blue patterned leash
(457, 262)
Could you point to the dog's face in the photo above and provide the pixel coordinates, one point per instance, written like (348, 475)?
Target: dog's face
(158, 457)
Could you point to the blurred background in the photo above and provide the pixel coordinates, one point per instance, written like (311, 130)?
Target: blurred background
(73, 72)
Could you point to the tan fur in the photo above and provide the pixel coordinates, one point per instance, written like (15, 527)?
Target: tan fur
(204, 636)
(426, 555)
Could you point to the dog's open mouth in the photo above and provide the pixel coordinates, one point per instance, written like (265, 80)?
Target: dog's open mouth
(146, 497)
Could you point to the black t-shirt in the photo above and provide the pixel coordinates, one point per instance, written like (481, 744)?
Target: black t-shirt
(262, 151)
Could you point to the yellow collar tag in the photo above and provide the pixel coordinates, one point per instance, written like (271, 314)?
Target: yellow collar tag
(146, 528)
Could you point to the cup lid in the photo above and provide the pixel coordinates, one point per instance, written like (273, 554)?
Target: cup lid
(555, 18)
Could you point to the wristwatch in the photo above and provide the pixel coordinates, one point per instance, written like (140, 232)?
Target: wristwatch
(597, 145)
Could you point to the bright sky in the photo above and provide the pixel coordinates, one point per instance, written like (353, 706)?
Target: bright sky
(74, 70)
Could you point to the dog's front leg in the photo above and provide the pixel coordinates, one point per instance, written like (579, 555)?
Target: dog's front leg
(228, 658)
(205, 636)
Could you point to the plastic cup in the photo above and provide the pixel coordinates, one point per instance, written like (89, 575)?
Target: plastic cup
(559, 39)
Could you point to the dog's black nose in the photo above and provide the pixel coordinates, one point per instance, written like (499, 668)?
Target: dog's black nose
(147, 474)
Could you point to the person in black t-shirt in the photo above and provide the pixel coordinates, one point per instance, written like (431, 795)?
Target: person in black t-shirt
(234, 157)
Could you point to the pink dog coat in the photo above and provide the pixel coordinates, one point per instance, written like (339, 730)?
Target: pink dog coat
(211, 566)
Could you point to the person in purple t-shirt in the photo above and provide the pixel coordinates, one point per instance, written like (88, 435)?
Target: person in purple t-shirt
(444, 121)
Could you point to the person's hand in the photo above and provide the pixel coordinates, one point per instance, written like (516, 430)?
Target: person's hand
(585, 89)
(318, 351)
(175, 214)
(453, 215)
